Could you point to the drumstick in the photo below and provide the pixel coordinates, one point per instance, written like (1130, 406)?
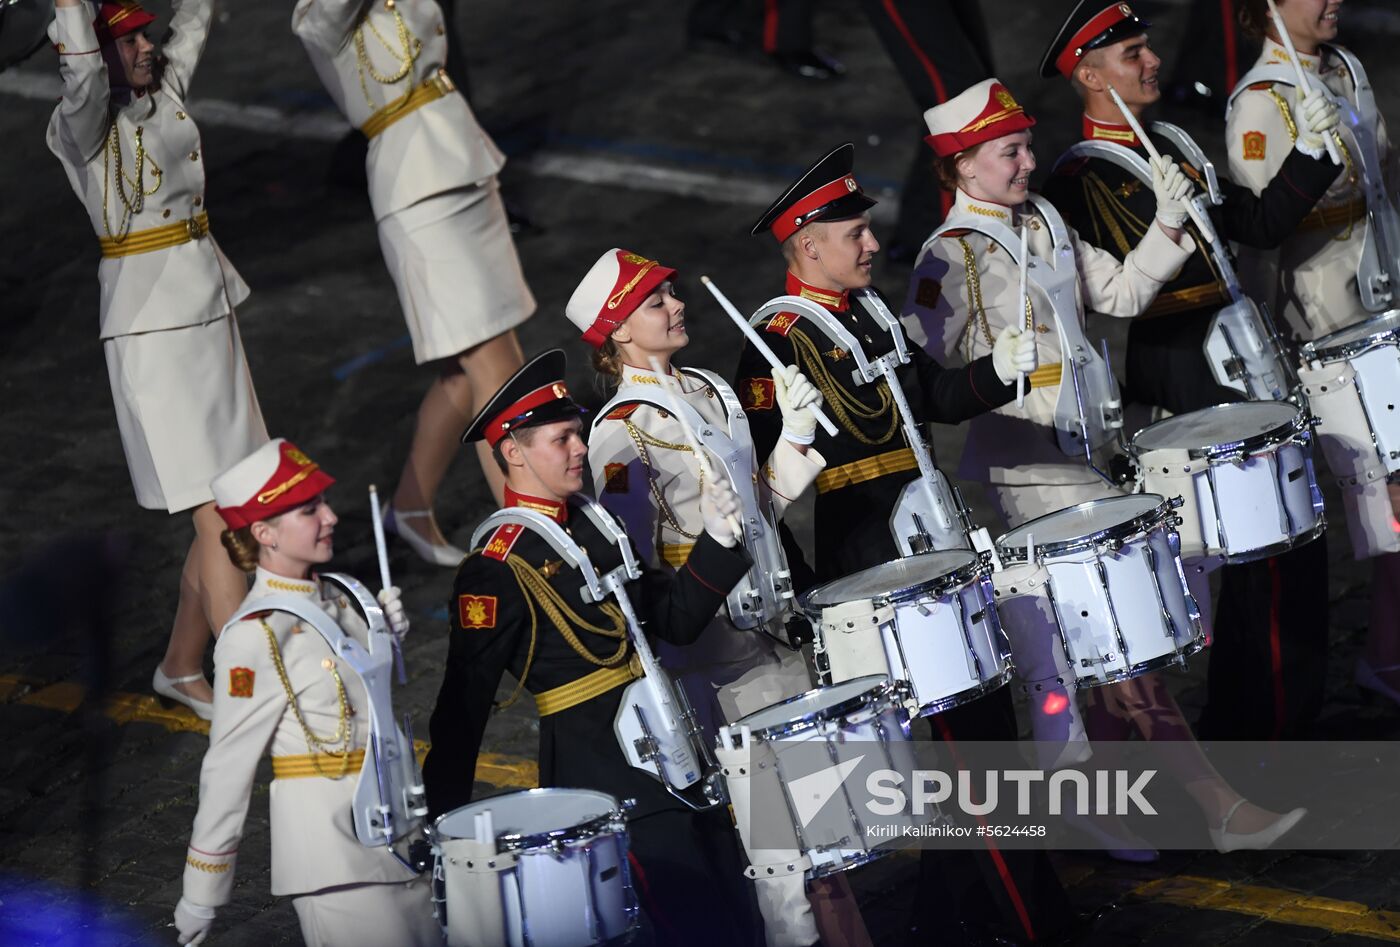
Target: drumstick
(1152, 151)
(1304, 82)
(760, 346)
(384, 582)
(1021, 296)
(706, 470)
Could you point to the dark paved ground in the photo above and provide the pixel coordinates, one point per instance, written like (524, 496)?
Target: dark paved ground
(574, 91)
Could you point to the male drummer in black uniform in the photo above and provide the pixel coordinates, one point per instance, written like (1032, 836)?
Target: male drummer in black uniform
(823, 225)
(1268, 659)
(516, 607)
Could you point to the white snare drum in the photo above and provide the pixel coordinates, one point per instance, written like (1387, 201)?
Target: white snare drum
(1352, 380)
(1245, 474)
(929, 620)
(844, 720)
(1115, 585)
(534, 868)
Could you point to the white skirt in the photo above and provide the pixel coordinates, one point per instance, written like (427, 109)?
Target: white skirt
(186, 409)
(454, 263)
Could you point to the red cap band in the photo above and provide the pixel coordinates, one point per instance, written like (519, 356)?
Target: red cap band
(544, 394)
(791, 220)
(1074, 50)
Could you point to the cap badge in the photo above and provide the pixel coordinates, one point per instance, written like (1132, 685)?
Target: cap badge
(297, 457)
(1124, 9)
(851, 184)
(1005, 99)
(636, 259)
(559, 390)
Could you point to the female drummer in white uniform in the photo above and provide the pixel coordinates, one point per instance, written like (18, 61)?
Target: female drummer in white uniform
(1312, 280)
(280, 688)
(643, 472)
(964, 293)
(442, 227)
(184, 398)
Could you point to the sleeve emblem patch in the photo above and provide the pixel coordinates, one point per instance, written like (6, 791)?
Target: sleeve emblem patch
(782, 323)
(615, 478)
(756, 394)
(240, 682)
(476, 611)
(926, 297)
(1254, 146)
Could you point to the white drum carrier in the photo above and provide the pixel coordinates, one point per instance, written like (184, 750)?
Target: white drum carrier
(1112, 576)
(926, 620)
(766, 755)
(1245, 474)
(539, 868)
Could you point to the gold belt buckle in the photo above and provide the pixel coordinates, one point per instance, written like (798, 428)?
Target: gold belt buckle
(197, 228)
(443, 82)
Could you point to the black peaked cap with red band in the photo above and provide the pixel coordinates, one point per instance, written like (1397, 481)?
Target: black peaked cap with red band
(1091, 24)
(534, 395)
(826, 191)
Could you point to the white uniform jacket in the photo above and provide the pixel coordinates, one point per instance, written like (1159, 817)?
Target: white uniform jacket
(313, 833)
(645, 475)
(434, 148)
(144, 151)
(1311, 277)
(964, 291)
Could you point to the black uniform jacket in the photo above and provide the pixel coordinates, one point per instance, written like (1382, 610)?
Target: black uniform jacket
(1112, 209)
(852, 520)
(491, 622)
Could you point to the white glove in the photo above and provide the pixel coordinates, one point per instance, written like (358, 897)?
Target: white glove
(796, 397)
(193, 921)
(394, 612)
(1316, 115)
(1013, 353)
(1171, 189)
(718, 504)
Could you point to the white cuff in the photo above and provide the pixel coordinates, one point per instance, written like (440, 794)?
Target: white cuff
(803, 439)
(1314, 153)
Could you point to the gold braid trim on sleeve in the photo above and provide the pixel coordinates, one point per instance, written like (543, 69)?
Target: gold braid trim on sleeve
(841, 402)
(211, 867)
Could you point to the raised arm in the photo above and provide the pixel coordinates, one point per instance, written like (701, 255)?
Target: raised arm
(487, 615)
(184, 42)
(678, 607)
(1257, 136)
(327, 24)
(1125, 288)
(78, 128)
(753, 383)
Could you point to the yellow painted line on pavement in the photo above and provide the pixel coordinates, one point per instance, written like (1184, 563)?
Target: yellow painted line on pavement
(1275, 905)
(496, 769)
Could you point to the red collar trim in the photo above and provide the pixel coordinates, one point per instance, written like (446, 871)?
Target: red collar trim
(826, 298)
(1095, 130)
(559, 512)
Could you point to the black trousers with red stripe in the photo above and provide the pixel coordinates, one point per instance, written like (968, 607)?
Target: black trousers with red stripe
(967, 894)
(1268, 663)
(940, 47)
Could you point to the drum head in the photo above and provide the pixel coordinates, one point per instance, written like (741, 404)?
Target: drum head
(819, 703)
(891, 580)
(1065, 527)
(1386, 323)
(1220, 426)
(530, 812)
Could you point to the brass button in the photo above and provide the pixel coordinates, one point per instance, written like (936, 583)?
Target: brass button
(1035, 223)
(1042, 329)
(165, 213)
(992, 247)
(198, 201)
(296, 629)
(181, 116)
(194, 155)
(327, 663)
(388, 4)
(61, 47)
(439, 30)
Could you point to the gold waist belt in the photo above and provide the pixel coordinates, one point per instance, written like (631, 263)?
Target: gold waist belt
(432, 89)
(895, 461)
(1046, 376)
(675, 554)
(156, 238)
(306, 765)
(589, 686)
(1184, 300)
(1332, 218)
